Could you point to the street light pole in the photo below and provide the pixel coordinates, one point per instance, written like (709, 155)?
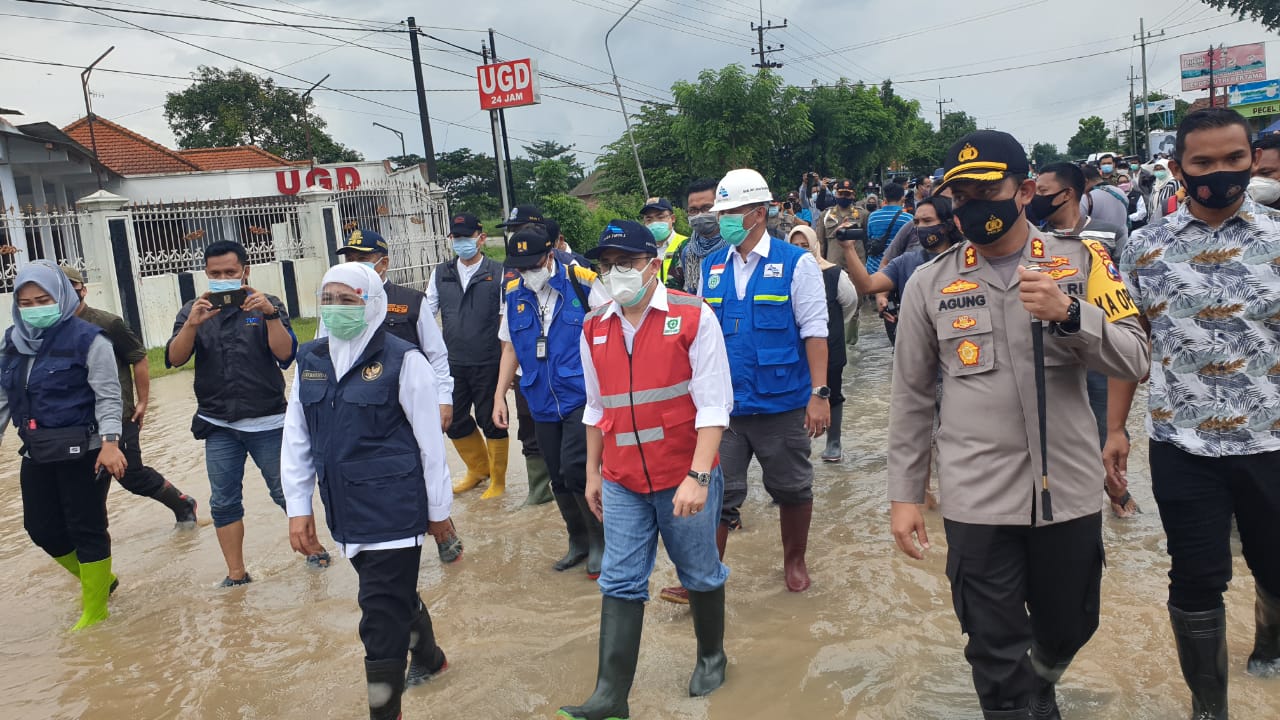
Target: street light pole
(399, 134)
(306, 125)
(635, 151)
(88, 111)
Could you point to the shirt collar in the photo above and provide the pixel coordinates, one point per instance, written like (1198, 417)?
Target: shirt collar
(657, 302)
(1247, 212)
(762, 248)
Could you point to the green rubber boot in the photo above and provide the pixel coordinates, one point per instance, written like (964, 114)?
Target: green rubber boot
(620, 624)
(539, 481)
(95, 589)
(70, 562)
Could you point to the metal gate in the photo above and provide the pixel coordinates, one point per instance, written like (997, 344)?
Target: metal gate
(414, 224)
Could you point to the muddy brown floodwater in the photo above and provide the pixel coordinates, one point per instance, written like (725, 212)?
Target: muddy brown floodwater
(875, 638)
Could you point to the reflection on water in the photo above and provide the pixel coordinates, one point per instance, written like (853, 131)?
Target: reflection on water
(875, 638)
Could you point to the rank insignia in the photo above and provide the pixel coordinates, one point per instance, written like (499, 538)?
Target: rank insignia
(959, 286)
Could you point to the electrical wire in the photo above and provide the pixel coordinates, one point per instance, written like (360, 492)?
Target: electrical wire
(189, 18)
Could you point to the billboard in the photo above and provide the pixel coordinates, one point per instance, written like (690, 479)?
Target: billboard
(1231, 66)
(507, 84)
(1156, 107)
(1250, 93)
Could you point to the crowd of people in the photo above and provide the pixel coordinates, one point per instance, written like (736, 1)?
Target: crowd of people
(649, 372)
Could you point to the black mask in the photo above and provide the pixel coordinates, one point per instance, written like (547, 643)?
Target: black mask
(986, 221)
(844, 202)
(872, 206)
(1217, 190)
(1042, 206)
(931, 236)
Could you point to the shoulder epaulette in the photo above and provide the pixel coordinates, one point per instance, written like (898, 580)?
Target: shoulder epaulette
(585, 274)
(513, 284)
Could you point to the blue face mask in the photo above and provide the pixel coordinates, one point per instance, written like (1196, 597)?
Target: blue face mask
(773, 211)
(221, 286)
(466, 247)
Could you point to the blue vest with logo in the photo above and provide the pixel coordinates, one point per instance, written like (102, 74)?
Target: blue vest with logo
(363, 449)
(766, 355)
(57, 387)
(553, 386)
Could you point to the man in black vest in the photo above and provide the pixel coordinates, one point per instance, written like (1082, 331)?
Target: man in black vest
(467, 293)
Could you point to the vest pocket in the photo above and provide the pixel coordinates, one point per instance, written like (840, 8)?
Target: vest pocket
(773, 314)
(362, 393)
(966, 343)
(384, 495)
(779, 368)
(311, 392)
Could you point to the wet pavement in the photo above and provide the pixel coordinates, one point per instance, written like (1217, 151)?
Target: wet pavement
(875, 638)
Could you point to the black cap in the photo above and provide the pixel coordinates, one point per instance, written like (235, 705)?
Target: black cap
(626, 235)
(464, 225)
(845, 185)
(656, 204)
(527, 246)
(524, 215)
(984, 155)
(364, 241)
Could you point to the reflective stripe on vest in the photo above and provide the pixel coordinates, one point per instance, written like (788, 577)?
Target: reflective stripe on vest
(641, 397)
(639, 437)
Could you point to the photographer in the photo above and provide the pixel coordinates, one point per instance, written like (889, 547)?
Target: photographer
(241, 340)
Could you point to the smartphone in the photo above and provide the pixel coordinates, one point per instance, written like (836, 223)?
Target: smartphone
(234, 298)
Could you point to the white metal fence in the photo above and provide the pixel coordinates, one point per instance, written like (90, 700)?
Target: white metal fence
(171, 238)
(46, 234)
(414, 224)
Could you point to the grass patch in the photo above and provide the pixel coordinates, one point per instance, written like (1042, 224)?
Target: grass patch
(304, 328)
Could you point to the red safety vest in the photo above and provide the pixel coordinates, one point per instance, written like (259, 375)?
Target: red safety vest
(648, 424)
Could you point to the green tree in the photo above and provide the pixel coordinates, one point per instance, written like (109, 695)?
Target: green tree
(235, 107)
(552, 150)
(1266, 12)
(470, 182)
(404, 161)
(550, 177)
(1045, 153)
(1091, 136)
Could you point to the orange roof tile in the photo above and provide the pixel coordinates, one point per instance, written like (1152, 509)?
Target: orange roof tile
(233, 158)
(126, 152)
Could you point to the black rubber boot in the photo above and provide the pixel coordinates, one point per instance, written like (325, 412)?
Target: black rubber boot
(1022, 714)
(182, 505)
(577, 527)
(595, 536)
(1264, 662)
(1202, 652)
(620, 624)
(833, 452)
(1044, 701)
(386, 682)
(707, 609)
(425, 656)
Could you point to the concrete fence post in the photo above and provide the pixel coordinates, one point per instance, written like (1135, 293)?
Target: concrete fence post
(110, 257)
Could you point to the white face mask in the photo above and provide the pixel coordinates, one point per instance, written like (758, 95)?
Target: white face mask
(626, 285)
(536, 280)
(1264, 190)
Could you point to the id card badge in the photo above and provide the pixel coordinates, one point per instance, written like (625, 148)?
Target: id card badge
(541, 348)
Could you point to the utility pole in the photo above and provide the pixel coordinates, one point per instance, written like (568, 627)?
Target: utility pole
(498, 157)
(399, 134)
(762, 51)
(635, 149)
(941, 102)
(423, 116)
(1133, 115)
(306, 124)
(502, 124)
(88, 112)
(1211, 86)
(1142, 38)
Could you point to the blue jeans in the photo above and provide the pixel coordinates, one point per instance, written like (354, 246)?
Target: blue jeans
(632, 522)
(224, 454)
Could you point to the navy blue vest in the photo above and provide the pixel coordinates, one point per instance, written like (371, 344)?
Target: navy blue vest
(553, 386)
(58, 384)
(365, 455)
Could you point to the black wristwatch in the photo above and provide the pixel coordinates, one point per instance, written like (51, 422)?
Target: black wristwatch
(1072, 323)
(704, 479)
(110, 437)
(823, 392)
(273, 316)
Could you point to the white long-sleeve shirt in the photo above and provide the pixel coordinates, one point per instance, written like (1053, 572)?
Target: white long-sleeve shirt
(465, 273)
(808, 292)
(711, 386)
(418, 400)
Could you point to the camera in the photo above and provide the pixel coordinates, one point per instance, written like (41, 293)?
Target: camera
(850, 234)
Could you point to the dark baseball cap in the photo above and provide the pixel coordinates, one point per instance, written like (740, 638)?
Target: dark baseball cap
(364, 241)
(524, 215)
(656, 204)
(984, 155)
(72, 274)
(627, 236)
(464, 225)
(845, 185)
(527, 246)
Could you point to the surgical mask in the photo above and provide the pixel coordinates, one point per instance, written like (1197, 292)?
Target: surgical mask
(41, 316)
(1217, 190)
(773, 211)
(537, 279)
(986, 221)
(626, 285)
(1042, 206)
(844, 202)
(661, 230)
(1161, 174)
(1133, 168)
(931, 236)
(221, 286)
(343, 321)
(705, 225)
(1264, 190)
(466, 247)
(1107, 169)
(732, 229)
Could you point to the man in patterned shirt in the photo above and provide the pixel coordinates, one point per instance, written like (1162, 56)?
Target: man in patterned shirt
(1208, 283)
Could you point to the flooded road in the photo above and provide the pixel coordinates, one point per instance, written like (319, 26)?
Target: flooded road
(875, 638)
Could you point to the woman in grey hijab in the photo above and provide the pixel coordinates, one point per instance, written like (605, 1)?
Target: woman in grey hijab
(62, 392)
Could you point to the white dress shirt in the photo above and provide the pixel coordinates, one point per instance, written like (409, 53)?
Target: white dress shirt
(711, 386)
(808, 291)
(465, 273)
(596, 296)
(418, 400)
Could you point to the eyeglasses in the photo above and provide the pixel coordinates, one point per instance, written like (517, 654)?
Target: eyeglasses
(326, 298)
(629, 263)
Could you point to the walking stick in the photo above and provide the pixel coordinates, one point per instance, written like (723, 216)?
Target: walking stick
(1037, 346)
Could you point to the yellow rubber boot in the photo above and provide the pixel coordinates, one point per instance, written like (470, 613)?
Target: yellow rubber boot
(472, 451)
(497, 468)
(95, 589)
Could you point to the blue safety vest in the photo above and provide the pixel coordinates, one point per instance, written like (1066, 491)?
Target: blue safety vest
(363, 448)
(57, 393)
(553, 386)
(766, 355)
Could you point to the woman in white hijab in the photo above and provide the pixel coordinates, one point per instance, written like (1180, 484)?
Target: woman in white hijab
(363, 421)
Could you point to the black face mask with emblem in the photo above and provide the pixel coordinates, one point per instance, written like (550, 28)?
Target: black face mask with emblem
(1217, 190)
(986, 221)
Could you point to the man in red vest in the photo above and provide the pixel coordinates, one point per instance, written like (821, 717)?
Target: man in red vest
(659, 394)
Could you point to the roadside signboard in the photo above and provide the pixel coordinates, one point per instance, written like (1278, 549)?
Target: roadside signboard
(1231, 66)
(509, 84)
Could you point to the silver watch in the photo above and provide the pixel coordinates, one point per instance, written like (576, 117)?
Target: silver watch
(110, 437)
(704, 479)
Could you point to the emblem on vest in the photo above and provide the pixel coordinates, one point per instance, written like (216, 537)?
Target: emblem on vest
(969, 353)
(371, 372)
(398, 309)
(713, 282)
(314, 375)
(672, 327)
(964, 322)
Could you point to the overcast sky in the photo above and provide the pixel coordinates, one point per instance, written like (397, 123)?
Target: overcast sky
(661, 42)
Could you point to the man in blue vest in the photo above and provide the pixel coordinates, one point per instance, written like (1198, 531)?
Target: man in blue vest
(545, 307)
(771, 302)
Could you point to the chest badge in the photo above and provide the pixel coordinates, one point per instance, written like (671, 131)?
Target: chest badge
(1056, 261)
(969, 353)
(371, 372)
(959, 286)
(713, 282)
(964, 322)
(1062, 272)
(672, 327)
(314, 375)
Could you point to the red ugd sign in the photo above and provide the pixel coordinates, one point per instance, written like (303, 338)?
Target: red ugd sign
(508, 84)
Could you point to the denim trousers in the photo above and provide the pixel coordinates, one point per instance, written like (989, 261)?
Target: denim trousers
(225, 451)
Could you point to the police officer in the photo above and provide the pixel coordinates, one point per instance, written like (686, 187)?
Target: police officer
(545, 307)
(659, 216)
(844, 215)
(468, 295)
(769, 298)
(658, 399)
(1025, 539)
(362, 421)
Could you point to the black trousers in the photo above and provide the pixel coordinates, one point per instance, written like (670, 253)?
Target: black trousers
(388, 600)
(64, 507)
(474, 386)
(138, 479)
(524, 429)
(1023, 594)
(1198, 496)
(564, 446)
